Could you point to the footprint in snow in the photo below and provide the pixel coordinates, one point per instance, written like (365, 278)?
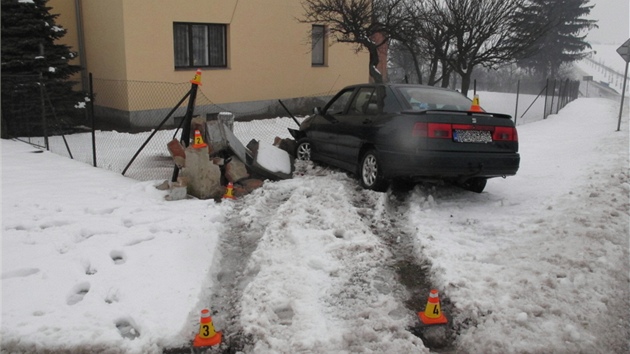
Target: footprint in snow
(285, 315)
(118, 257)
(112, 296)
(78, 293)
(127, 328)
(24, 272)
(89, 270)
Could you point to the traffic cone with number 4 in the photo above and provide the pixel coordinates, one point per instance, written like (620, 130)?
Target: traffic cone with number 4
(432, 312)
(207, 335)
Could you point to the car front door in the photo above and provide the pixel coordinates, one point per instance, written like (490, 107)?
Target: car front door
(324, 132)
(355, 127)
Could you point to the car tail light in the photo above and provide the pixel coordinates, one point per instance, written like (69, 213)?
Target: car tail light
(433, 130)
(421, 130)
(505, 134)
(440, 130)
(445, 131)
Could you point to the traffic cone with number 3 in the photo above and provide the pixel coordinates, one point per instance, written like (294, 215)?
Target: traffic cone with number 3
(207, 335)
(432, 312)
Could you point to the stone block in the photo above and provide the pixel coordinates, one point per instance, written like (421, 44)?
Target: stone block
(235, 170)
(204, 177)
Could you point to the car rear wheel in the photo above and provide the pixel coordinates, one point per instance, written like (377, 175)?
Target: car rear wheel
(371, 174)
(476, 184)
(303, 150)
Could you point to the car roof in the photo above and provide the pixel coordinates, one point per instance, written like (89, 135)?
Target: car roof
(425, 87)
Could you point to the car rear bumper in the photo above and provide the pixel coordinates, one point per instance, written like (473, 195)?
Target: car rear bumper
(448, 164)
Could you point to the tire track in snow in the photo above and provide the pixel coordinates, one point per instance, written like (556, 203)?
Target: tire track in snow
(301, 271)
(246, 224)
(387, 215)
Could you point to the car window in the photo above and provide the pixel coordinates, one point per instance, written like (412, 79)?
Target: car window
(390, 103)
(339, 102)
(364, 102)
(424, 98)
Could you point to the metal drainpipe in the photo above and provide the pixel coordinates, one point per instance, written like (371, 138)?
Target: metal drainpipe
(81, 39)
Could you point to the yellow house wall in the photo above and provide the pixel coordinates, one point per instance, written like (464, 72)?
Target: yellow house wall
(268, 50)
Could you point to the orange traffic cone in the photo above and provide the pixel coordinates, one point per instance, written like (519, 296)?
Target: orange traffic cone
(475, 105)
(228, 191)
(198, 140)
(432, 312)
(207, 335)
(197, 79)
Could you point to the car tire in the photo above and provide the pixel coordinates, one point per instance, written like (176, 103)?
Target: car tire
(476, 184)
(303, 150)
(371, 173)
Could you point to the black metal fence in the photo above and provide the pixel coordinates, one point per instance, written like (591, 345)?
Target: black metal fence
(534, 99)
(33, 106)
(109, 138)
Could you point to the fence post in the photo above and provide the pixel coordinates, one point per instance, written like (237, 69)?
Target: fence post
(518, 89)
(577, 89)
(190, 109)
(546, 95)
(560, 88)
(553, 95)
(42, 98)
(565, 98)
(91, 107)
(43, 108)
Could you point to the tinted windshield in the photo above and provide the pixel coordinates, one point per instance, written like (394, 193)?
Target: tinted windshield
(423, 98)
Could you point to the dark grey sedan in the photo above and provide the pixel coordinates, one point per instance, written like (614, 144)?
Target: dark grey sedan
(382, 132)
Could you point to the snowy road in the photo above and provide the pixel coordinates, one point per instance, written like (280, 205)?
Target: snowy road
(329, 267)
(309, 273)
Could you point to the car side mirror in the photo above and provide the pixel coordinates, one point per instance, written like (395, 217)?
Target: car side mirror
(317, 110)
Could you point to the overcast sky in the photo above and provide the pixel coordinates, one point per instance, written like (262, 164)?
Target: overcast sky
(613, 21)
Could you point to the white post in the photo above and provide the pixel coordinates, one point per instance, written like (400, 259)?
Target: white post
(623, 93)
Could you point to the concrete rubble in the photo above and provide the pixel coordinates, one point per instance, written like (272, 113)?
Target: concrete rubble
(207, 168)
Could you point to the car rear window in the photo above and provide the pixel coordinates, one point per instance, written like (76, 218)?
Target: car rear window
(424, 98)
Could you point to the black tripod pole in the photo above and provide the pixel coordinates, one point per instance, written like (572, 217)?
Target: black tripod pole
(185, 138)
(154, 132)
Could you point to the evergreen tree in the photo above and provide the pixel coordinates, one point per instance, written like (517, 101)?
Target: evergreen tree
(564, 40)
(30, 54)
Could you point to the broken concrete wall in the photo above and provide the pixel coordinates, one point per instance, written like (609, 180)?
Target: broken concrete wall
(207, 170)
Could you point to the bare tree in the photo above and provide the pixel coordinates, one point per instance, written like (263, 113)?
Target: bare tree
(424, 39)
(367, 23)
(470, 33)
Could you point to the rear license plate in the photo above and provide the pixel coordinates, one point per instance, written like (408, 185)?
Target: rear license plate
(472, 136)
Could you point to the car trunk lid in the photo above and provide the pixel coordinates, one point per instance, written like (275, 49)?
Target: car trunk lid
(463, 131)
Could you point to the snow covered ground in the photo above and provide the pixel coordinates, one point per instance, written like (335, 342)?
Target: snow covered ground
(539, 262)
